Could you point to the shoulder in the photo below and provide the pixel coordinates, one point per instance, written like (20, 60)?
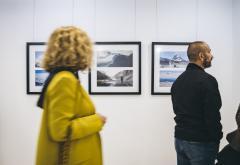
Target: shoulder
(63, 79)
(208, 78)
(177, 81)
(63, 75)
(209, 82)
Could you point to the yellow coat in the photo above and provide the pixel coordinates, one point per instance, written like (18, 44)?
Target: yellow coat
(67, 105)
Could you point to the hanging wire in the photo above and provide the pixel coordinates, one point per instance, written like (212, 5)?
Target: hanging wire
(197, 19)
(157, 16)
(34, 20)
(95, 20)
(73, 9)
(135, 20)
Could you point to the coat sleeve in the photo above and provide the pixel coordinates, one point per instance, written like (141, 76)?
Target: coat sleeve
(212, 104)
(61, 121)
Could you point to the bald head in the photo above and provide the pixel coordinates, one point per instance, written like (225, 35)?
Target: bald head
(195, 48)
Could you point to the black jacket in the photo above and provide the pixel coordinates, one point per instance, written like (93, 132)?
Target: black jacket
(196, 102)
(234, 137)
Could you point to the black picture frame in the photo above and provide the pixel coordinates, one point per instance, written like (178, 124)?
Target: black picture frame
(116, 69)
(169, 60)
(35, 74)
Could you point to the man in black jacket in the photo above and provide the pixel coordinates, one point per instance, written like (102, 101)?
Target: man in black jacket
(196, 102)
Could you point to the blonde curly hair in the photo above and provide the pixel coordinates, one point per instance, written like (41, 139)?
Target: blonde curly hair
(68, 47)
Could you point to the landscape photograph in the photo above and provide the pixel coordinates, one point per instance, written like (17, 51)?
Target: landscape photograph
(167, 77)
(115, 78)
(117, 58)
(40, 77)
(173, 59)
(38, 58)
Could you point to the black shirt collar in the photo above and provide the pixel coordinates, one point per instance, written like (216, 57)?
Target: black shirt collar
(192, 66)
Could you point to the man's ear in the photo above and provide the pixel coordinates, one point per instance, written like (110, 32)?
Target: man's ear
(201, 56)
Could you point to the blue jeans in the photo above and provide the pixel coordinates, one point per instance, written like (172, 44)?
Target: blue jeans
(196, 153)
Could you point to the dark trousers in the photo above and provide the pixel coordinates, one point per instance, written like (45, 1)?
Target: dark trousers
(228, 156)
(196, 153)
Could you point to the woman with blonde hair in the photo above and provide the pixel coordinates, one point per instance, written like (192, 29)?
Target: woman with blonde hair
(69, 133)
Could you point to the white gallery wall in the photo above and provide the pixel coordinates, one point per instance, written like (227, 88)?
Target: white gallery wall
(139, 130)
(236, 52)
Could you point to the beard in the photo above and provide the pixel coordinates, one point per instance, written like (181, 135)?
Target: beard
(207, 63)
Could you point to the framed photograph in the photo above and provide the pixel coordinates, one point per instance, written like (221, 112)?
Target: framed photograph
(169, 60)
(116, 68)
(36, 75)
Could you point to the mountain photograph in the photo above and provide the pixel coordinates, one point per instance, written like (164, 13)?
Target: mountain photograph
(120, 58)
(116, 78)
(167, 77)
(38, 58)
(173, 59)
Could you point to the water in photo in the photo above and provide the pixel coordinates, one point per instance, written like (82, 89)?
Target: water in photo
(116, 78)
(167, 77)
(40, 77)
